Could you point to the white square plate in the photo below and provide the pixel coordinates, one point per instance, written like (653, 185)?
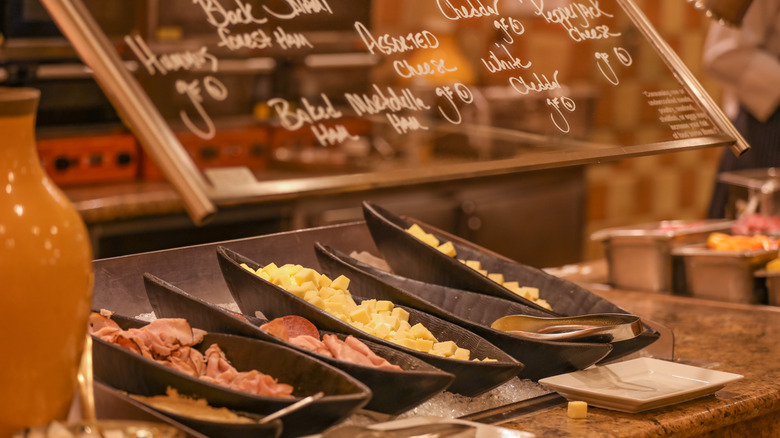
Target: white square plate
(639, 384)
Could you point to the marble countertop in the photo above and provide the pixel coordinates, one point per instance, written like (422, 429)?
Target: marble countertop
(735, 338)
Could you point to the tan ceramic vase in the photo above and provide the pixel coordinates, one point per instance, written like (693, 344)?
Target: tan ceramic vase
(45, 277)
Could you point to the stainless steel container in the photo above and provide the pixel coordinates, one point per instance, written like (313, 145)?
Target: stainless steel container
(771, 281)
(724, 275)
(640, 257)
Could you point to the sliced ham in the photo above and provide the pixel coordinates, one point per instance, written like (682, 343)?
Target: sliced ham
(300, 332)
(375, 359)
(169, 340)
(292, 325)
(311, 343)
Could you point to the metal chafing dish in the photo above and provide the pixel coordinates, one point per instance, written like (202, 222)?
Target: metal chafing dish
(724, 275)
(640, 257)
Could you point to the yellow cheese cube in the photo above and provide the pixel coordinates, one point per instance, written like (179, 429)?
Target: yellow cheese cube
(577, 409)
(431, 240)
(497, 277)
(308, 285)
(416, 231)
(317, 301)
(400, 314)
(531, 293)
(483, 272)
(384, 306)
(291, 269)
(370, 305)
(336, 304)
(360, 315)
(461, 353)
(306, 275)
(350, 305)
(419, 331)
(423, 345)
(248, 268)
(270, 268)
(446, 348)
(474, 264)
(341, 282)
(298, 291)
(511, 285)
(392, 321)
(406, 342)
(543, 303)
(310, 295)
(323, 281)
(382, 330)
(264, 275)
(404, 325)
(327, 292)
(448, 248)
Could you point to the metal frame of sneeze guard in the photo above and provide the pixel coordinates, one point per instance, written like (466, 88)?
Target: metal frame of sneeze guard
(133, 105)
(688, 80)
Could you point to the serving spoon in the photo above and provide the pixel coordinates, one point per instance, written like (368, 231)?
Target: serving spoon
(606, 327)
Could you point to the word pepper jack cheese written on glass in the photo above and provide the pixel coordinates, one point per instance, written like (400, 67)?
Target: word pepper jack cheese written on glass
(527, 292)
(377, 317)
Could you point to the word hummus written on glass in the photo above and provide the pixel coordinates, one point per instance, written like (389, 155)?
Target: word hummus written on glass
(484, 79)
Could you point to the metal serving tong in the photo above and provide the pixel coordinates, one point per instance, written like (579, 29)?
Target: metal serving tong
(607, 327)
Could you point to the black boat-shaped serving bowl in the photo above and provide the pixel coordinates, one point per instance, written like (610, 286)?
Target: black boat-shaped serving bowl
(472, 377)
(393, 391)
(135, 374)
(471, 310)
(409, 257)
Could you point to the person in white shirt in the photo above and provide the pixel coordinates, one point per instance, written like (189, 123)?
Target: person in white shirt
(746, 61)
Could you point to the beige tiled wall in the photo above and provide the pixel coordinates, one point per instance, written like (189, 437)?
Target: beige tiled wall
(659, 187)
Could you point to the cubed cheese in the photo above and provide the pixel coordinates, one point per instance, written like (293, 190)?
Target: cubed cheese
(327, 292)
(461, 353)
(446, 348)
(448, 249)
(270, 268)
(406, 342)
(497, 277)
(341, 282)
(370, 305)
(474, 264)
(512, 285)
(419, 331)
(317, 301)
(423, 345)
(298, 291)
(400, 314)
(382, 330)
(306, 275)
(248, 268)
(360, 315)
(431, 240)
(384, 306)
(416, 231)
(323, 281)
(577, 409)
